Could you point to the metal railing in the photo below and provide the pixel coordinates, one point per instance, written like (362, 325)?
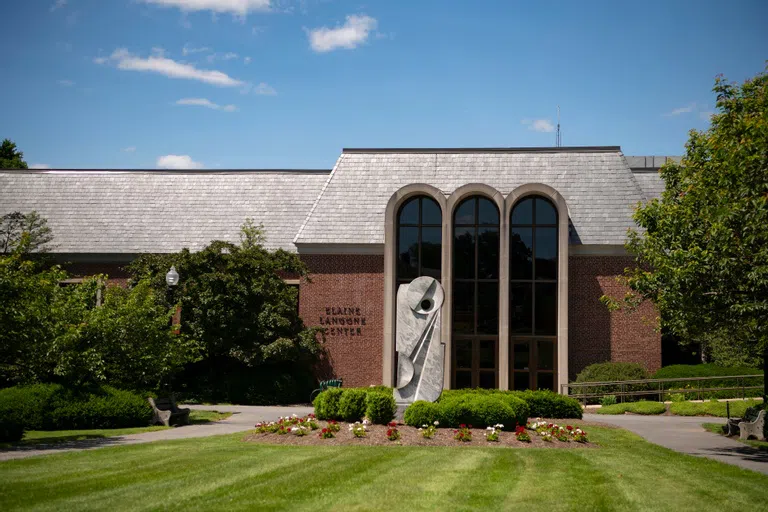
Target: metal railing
(623, 388)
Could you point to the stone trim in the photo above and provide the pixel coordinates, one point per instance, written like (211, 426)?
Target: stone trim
(340, 248)
(390, 270)
(598, 250)
(553, 195)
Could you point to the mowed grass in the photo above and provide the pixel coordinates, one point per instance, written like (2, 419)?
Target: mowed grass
(737, 408)
(223, 473)
(641, 407)
(717, 428)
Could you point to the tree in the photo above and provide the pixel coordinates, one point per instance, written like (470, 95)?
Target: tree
(24, 233)
(234, 301)
(10, 157)
(703, 248)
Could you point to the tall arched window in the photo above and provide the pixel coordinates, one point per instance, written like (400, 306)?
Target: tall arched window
(475, 293)
(419, 239)
(533, 294)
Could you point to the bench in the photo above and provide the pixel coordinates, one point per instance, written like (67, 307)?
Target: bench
(325, 384)
(753, 428)
(166, 412)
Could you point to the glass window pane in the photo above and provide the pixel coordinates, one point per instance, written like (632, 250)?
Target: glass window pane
(463, 379)
(546, 253)
(409, 213)
(431, 251)
(487, 212)
(464, 308)
(545, 212)
(488, 308)
(546, 356)
(546, 309)
(487, 355)
(430, 211)
(465, 213)
(464, 253)
(488, 253)
(545, 381)
(520, 311)
(488, 380)
(464, 354)
(522, 355)
(521, 253)
(523, 212)
(408, 253)
(520, 381)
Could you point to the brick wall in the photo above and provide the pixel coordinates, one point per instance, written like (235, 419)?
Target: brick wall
(346, 297)
(597, 335)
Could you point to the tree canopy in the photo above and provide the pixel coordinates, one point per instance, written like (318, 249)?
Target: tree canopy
(702, 249)
(10, 156)
(24, 233)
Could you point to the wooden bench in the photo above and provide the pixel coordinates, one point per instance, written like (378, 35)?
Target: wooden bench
(325, 384)
(753, 428)
(166, 412)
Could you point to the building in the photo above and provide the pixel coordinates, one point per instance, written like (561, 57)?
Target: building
(524, 241)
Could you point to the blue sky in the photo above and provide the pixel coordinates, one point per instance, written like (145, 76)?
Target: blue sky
(287, 84)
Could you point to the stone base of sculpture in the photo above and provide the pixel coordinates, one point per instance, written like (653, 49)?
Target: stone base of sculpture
(420, 351)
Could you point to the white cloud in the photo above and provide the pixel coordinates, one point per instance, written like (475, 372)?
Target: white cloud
(189, 50)
(158, 51)
(39, 166)
(229, 56)
(264, 90)
(58, 4)
(65, 83)
(129, 149)
(126, 61)
(681, 110)
(353, 32)
(539, 125)
(237, 7)
(178, 162)
(204, 102)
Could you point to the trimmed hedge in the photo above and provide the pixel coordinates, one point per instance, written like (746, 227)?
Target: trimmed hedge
(642, 407)
(380, 407)
(477, 409)
(327, 404)
(352, 405)
(602, 372)
(681, 371)
(541, 404)
(53, 407)
(422, 413)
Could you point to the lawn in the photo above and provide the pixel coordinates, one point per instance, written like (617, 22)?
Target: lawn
(711, 408)
(33, 437)
(717, 428)
(224, 473)
(641, 407)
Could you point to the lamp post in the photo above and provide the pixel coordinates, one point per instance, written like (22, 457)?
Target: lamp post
(172, 277)
(172, 280)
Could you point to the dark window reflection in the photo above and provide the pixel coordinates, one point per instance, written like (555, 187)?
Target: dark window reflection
(408, 257)
(488, 308)
(487, 380)
(431, 252)
(546, 359)
(523, 212)
(487, 354)
(487, 212)
(546, 381)
(419, 247)
(520, 381)
(463, 379)
(465, 213)
(520, 308)
(546, 309)
(409, 213)
(464, 354)
(521, 253)
(545, 212)
(464, 308)
(430, 212)
(521, 356)
(464, 253)
(546, 253)
(488, 253)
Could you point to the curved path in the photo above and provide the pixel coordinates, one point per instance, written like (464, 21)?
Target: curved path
(686, 435)
(243, 419)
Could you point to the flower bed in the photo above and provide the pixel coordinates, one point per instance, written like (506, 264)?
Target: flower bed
(540, 433)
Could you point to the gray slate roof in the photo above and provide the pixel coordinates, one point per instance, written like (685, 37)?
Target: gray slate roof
(161, 211)
(646, 172)
(596, 183)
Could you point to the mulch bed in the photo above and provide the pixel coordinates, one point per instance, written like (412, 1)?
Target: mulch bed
(410, 436)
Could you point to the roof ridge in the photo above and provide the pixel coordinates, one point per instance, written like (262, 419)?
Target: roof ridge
(542, 149)
(166, 171)
(320, 195)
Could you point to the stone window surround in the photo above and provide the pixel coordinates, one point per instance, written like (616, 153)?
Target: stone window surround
(447, 206)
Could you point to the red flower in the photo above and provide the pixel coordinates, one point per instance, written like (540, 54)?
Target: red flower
(569, 427)
(470, 426)
(462, 426)
(392, 424)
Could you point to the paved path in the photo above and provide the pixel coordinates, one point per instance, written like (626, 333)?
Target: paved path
(243, 419)
(686, 435)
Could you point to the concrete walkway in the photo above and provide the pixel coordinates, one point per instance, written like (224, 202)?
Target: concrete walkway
(686, 435)
(243, 419)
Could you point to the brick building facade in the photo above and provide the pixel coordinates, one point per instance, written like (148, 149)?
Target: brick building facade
(524, 242)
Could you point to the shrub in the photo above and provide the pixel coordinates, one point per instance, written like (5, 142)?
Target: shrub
(327, 404)
(608, 400)
(642, 407)
(738, 408)
(681, 371)
(483, 409)
(352, 404)
(380, 407)
(542, 403)
(422, 413)
(11, 427)
(603, 372)
(28, 404)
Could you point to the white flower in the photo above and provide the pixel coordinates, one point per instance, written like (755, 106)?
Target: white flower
(436, 423)
(419, 429)
(365, 422)
(294, 415)
(499, 425)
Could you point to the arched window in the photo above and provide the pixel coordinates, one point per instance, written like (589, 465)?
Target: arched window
(533, 294)
(475, 294)
(419, 239)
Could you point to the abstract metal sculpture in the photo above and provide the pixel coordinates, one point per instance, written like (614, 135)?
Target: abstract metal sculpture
(420, 352)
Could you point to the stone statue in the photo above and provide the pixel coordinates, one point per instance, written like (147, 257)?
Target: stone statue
(420, 352)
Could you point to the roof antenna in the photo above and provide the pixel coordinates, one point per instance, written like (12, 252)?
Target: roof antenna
(558, 137)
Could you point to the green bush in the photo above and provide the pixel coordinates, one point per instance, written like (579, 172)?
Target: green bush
(482, 409)
(682, 371)
(738, 408)
(352, 404)
(642, 407)
(380, 407)
(541, 404)
(609, 372)
(29, 404)
(608, 400)
(327, 404)
(11, 427)
(421, 413)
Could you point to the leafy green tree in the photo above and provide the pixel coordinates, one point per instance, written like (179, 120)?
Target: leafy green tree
(703, 247)
(234, 300)
(24, 232)
(10, 157)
